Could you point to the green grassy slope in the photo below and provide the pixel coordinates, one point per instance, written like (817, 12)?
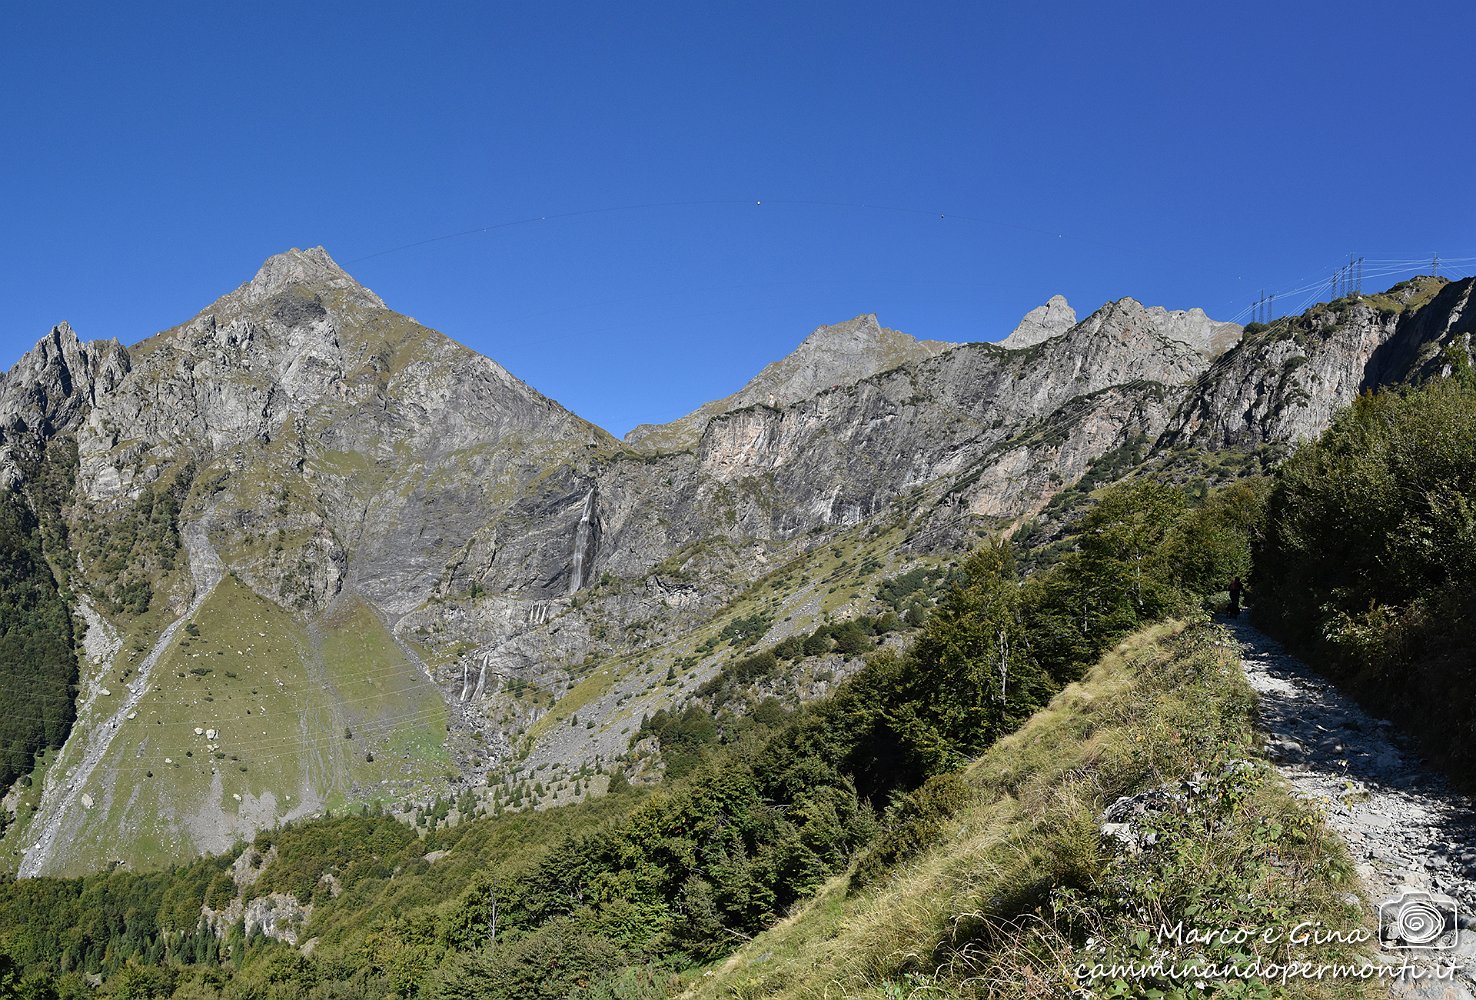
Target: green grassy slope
(305, 720)
(1011, 886)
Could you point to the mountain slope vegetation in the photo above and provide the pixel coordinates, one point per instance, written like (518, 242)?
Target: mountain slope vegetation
(37, 665)
(639, 885)
(461, 696)
(1010, 890)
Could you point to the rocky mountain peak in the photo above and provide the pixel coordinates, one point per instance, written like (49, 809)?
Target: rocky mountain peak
(839, 354)
(60, 347)
(1191, 326)
(50, 390)
(60, 334)
(312, 269)
(1042, 323)
(1129, 317)
(49, 385)
(863, 329)
(834, 355)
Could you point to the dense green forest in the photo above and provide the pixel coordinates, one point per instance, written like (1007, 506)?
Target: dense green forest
(37, 667)
(1368, 557)
(615, 897)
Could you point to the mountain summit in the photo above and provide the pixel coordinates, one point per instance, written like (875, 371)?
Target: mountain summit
(312, 268)
(1042, 323)
(1191, 326)
(836, 355)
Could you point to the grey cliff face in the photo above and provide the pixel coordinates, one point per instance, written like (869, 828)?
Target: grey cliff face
(844, 453)
(386, 444)
(1419, 345)
(51, 388)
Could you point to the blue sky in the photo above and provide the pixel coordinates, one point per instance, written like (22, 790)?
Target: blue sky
(945, 166)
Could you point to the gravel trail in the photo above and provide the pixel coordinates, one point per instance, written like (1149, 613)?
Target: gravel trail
(1406, 828)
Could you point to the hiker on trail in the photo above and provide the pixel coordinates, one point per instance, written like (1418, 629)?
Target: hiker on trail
(1235, 590)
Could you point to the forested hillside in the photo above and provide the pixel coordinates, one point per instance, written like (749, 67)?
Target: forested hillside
(37, 665)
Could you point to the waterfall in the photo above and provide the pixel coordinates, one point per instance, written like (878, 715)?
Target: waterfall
(482, 677)
(581, 543)
(465, 682)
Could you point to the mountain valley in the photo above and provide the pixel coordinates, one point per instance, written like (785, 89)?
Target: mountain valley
(381, 570)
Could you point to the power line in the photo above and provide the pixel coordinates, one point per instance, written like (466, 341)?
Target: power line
(1347, 279)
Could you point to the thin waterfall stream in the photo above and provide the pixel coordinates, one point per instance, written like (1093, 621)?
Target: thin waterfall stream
(581, 543)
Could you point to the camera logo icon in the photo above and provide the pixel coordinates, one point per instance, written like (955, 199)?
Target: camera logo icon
(1416, 920)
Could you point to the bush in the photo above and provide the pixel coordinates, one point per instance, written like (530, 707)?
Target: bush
(911, 825)
(817, 643)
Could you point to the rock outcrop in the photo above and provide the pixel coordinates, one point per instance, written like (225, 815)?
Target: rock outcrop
(49, 390)
(1192, 327)
(1284, 383)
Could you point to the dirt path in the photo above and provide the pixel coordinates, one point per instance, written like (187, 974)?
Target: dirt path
(207, 570)
(1404, 825)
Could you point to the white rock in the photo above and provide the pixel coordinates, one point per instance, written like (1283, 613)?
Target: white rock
(86, 801)
(199, 731)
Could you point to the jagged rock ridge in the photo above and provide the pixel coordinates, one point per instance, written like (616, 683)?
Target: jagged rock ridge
(50, 389)
(1284, 384)
(1187, 326)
